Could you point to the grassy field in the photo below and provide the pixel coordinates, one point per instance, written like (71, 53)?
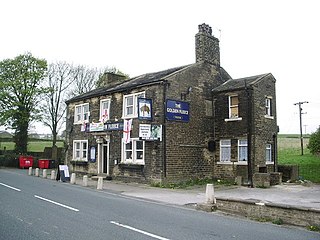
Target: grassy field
(289, 152)
(33, 146)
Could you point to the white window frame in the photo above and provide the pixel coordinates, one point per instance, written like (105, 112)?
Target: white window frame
(81, 116)
(269, 153)
(134, 105)
(83, 152)
(225, 144)
(233, 118)
(102, 109)
(268, 107)
(242, 143)
(134, 151)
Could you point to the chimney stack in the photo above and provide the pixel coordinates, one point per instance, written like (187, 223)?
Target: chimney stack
(207, 46)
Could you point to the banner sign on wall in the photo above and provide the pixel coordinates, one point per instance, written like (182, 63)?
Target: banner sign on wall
(115, 126)
(177, 111)
(96, 127)
(145, 109)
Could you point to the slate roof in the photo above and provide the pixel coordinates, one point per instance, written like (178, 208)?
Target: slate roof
(240, 83)
(145, 79)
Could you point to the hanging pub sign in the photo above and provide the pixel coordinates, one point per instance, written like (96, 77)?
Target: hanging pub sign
(150, 132)
(145, 109)
(177, 111)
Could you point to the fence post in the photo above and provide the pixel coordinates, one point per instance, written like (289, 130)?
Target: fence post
(53, 175)
(30, 171)
(73, 178)
(44, 173)
(85, 180)
(100, 183)
(37, 172)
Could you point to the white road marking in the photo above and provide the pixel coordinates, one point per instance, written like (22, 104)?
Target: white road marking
(56, 203)
(13, 188)
(139, 231)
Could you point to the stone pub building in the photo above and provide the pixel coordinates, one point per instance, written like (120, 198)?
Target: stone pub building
(182, 123)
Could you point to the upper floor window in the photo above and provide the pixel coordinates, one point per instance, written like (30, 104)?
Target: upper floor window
(130, 105)
(133, 152)
(242, 150)
(269, 153)
(80, 150)
(104, 110)
(81, 113)
(233, 108)
(268, 107)
(225, 150)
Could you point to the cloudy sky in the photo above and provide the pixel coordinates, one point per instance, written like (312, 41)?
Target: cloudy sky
(141, 36)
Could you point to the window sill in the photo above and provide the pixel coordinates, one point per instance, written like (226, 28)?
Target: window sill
(233, 119)
(231, 163)
(129, 117)
(269, 117)
(269, 163)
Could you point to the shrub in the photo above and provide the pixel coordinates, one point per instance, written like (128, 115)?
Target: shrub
(314, 142)
(9, 160)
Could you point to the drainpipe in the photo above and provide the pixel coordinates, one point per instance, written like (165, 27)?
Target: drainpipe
(275, 155)
(249, 133)
(164, 139)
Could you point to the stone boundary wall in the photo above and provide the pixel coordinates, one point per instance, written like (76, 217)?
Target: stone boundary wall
(292, 215)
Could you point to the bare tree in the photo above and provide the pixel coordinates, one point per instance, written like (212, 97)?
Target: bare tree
(59, 79)
(84, 79)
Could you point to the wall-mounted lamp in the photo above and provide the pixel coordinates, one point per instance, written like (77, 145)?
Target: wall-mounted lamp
(184, 95)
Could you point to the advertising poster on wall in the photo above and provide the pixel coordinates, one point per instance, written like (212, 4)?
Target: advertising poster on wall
(150, 132)
(144, 109)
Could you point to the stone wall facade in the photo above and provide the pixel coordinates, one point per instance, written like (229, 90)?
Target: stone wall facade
(252, 124)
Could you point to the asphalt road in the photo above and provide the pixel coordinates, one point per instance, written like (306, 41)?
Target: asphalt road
(36, 208)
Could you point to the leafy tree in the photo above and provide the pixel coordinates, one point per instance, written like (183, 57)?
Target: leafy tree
(314, 142)
(20, 92)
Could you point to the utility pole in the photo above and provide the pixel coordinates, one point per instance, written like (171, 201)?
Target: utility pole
(300, 116)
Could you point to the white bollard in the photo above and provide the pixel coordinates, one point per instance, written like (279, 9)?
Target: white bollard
(210, 194)
(73, 178)
(44, 173)
(37, 172)
(100, 183)
(85, 180)
(53, 175)
(30, 171)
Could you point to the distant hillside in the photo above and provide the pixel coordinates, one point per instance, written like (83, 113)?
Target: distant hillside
(5, 134)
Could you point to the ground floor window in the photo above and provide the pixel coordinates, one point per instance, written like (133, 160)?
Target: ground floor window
(243, 150)
(133, 152)
(269, 153)
(80, 150)
(225, 150)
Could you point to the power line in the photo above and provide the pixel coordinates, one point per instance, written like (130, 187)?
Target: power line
(300, 116)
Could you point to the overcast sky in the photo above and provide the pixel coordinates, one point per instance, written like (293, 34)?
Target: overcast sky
(281, 37)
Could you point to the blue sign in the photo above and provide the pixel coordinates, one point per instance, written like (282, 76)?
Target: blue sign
(177, 111)
(144, 109)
